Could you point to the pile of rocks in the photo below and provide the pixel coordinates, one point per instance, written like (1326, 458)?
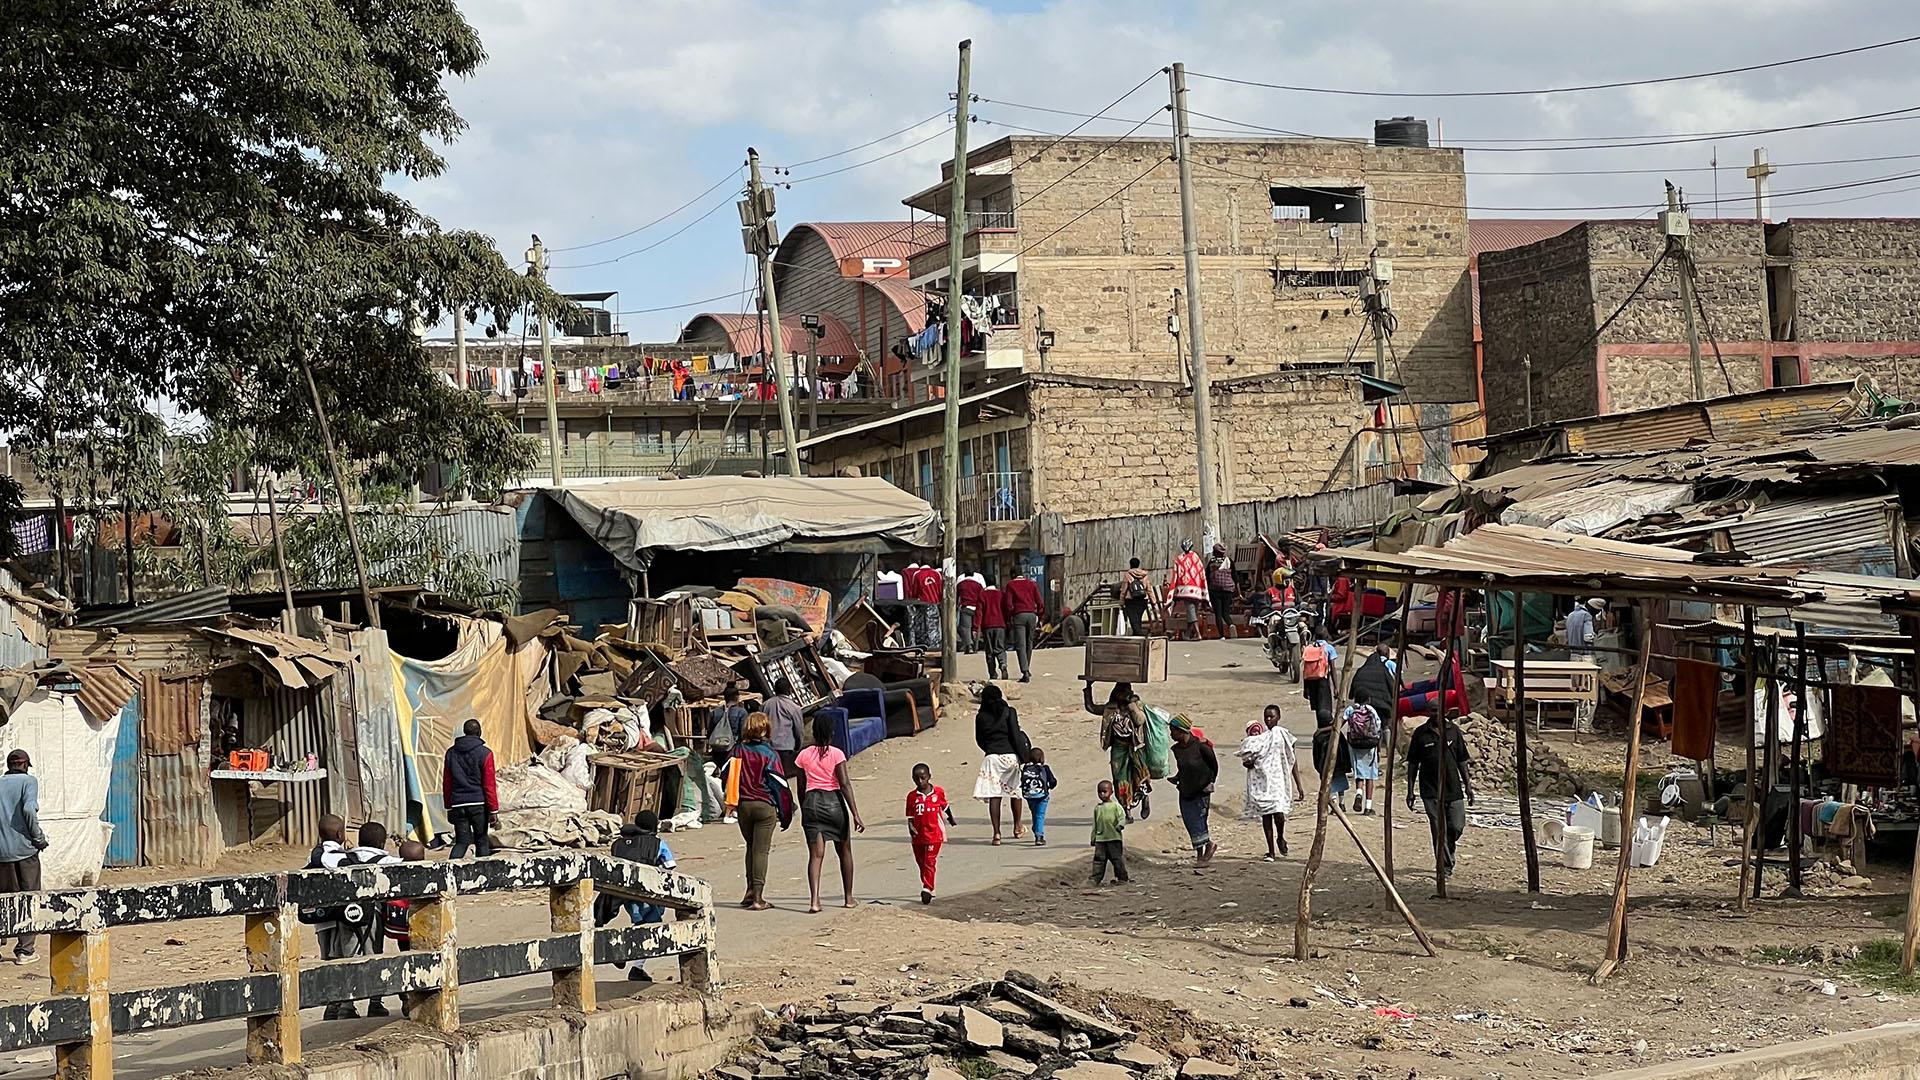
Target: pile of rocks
(1012, 1028)
(1490, 744)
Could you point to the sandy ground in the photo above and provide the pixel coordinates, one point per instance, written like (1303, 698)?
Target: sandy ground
(1507, 997)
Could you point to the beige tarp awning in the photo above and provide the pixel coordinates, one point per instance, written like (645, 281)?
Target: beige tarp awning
(728, 513)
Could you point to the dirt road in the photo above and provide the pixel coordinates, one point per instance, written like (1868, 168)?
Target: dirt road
(1507, 997)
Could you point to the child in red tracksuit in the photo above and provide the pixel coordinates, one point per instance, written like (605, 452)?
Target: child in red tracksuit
(926, 806)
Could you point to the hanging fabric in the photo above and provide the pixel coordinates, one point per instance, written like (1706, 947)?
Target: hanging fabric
(1696, 708)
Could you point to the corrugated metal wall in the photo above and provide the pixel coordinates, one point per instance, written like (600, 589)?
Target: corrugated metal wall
(383, 777)
(177, 826)
(293, 724)
(1096, 551)
(1847, 535)
(123, 790)
(22, 634)
(1661, 430)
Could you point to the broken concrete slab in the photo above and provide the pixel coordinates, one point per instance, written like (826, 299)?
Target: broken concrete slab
(1011, 1065)
(1097, 1030)
(1196, 1068)
(941, 1072)
(982, 1032)
(1094, 1070)
(1137, 1056)
(1029, 1042)
(1005, 1011)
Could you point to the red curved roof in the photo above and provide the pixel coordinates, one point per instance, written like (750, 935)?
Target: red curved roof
(874, 239)
(745, 333)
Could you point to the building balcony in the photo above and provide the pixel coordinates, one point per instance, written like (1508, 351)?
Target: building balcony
(986, 499)
(983, 251)
(594, 461)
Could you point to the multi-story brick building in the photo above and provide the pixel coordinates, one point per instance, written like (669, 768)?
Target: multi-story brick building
(1080, 242)
(1807, 300)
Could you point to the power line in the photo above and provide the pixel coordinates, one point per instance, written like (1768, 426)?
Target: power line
(871, 142)
(1574, 353)
(869, 161)
(712, 210)
(685, 304)
(1116, 193)
(1656, 80)
(1132, 90)
(1095, 156)
(734, 175)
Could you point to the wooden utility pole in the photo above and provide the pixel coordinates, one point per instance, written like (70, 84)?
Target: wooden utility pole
(813, 380)
(1325, 806)
(1794, 834)
(537, 266)
(1675, 223)
(950, 443)
(1196, 330)
(1617, 921)
(1393, 728)
(340, 485)
(1751, 659)
(761, 234)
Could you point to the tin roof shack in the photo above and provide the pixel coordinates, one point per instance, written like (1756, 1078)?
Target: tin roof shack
(72, 721)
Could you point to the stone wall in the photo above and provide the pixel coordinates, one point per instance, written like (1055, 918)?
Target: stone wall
(1536, 301)
(1898, 375)
(1277, 292)
(1856, 279)
(1645, 379)
(1112, 450)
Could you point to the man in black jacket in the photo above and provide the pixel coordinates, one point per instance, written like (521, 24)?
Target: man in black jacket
(467, 787)
(1438, 763)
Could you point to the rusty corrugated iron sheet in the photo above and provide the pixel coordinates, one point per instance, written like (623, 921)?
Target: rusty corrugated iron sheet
(177, 823)
(293, 724)
(104, 689)
(376, 723)
(1767, 416)
(1653, 429)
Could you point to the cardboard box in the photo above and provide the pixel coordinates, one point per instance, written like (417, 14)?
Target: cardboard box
(1127, 659)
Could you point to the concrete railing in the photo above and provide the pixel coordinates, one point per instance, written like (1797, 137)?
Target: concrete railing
(81, 1016)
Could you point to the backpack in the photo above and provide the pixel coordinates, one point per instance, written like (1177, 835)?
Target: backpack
(1363, 728)
(1137, 588)
(1314, 663)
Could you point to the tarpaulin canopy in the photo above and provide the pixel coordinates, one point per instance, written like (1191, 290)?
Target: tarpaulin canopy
(727, 513)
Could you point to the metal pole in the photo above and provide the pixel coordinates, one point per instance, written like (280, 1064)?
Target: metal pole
(777, 361)
(460, 348)
(537, 256)
(1521, 760)
(950, 442)
(813, 381)
(1526, 369)
(1195, 328)
(340, 484)
(1751, 661)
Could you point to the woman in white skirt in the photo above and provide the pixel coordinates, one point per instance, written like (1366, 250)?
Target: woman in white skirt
(996, 730)
(1273, 778)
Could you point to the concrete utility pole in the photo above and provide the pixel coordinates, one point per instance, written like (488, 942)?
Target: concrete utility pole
(950, 444)
(1196, 334)
(760, 234)
(537, 265)
(1758, 173)
(460, 349)
(1675, 223)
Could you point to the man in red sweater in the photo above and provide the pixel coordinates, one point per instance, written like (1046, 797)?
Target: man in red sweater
(993, 628)
(967, 592)
(472, 799)
(1024, 606)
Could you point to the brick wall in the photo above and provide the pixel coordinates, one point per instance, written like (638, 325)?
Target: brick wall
(1856, 279)
(1106, 279)
(1537, 301)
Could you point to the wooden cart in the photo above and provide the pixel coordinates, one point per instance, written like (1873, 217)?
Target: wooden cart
(626, 784)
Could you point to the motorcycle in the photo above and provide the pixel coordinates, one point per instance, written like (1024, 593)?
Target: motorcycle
(1286, 631)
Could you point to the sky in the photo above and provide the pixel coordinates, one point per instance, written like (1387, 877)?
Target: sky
(595, 119)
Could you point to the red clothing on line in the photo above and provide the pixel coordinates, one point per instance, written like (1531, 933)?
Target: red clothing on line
(993, 610)
(1023, 596)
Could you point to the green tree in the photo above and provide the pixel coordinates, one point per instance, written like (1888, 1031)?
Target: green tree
(196, 204)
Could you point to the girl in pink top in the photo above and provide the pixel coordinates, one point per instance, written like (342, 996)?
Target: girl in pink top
(827, 808)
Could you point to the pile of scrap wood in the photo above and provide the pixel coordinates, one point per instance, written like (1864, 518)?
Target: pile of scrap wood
(1013, 1027)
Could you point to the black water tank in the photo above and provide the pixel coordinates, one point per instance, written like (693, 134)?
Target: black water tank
(1400, 131)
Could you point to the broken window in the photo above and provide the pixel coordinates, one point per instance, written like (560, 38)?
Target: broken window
(1319, 204)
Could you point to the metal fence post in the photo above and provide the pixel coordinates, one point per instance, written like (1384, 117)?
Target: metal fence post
(273, 947)
(430, 925)
(78, 963)
(571, 907)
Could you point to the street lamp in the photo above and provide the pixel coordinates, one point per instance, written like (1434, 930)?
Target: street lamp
(811, 324)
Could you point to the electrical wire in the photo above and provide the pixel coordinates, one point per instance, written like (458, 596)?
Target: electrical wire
(1700, 305)
(734, 175)
(1116, 193)
(1573, 354)
(1654, 81)
(1132, 90)
(869, 161)
(871, 142)
(1095, 156)
(712, 210)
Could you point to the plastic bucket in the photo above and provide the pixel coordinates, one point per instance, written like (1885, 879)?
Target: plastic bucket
(1610, 827)
(1576, 848)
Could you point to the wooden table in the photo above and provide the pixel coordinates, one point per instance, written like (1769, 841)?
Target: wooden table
(1566, 682)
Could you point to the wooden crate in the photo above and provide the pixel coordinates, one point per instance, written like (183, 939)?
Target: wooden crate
(626, 784)
(1126, 659)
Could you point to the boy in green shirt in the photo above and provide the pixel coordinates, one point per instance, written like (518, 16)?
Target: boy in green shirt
(1109, 818)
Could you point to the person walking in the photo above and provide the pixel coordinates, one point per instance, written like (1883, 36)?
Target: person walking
(789, 725)
(1109, 826)
(1437, 765)
(1317, 660)
(467, 787)
(993, 628)
(926, 810)
(1196, 771)
(1361, 730)
(21, 839)
(1136, 588)
(1273, 778)
(1003, 746)
(1221, 587)
(1123, 735)
(1188, 586)
(1036, 786)
(1024, 606)
(1342, 764)
(826, 808)
(966, 593)
(758, 797)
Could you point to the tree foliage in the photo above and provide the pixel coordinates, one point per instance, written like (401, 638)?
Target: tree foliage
(195, 202)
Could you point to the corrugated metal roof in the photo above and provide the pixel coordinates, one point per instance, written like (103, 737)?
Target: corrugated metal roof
(873, 239)
(745, 334)
(104, 689)
(1658, 429)
(186, 607)
(906, 300)
(1499, 234)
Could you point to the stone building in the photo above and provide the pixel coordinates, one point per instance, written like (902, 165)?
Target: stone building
(1079, 240)
(1803, 301)
(1047, 449)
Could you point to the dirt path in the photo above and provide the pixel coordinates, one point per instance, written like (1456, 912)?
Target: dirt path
(1507, 997)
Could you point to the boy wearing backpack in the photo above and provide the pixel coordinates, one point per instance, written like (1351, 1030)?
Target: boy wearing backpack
(1360, 727)
(1316, 673)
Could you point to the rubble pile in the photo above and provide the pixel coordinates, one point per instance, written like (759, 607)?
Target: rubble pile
(1013, 1028)
(1490, 744)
